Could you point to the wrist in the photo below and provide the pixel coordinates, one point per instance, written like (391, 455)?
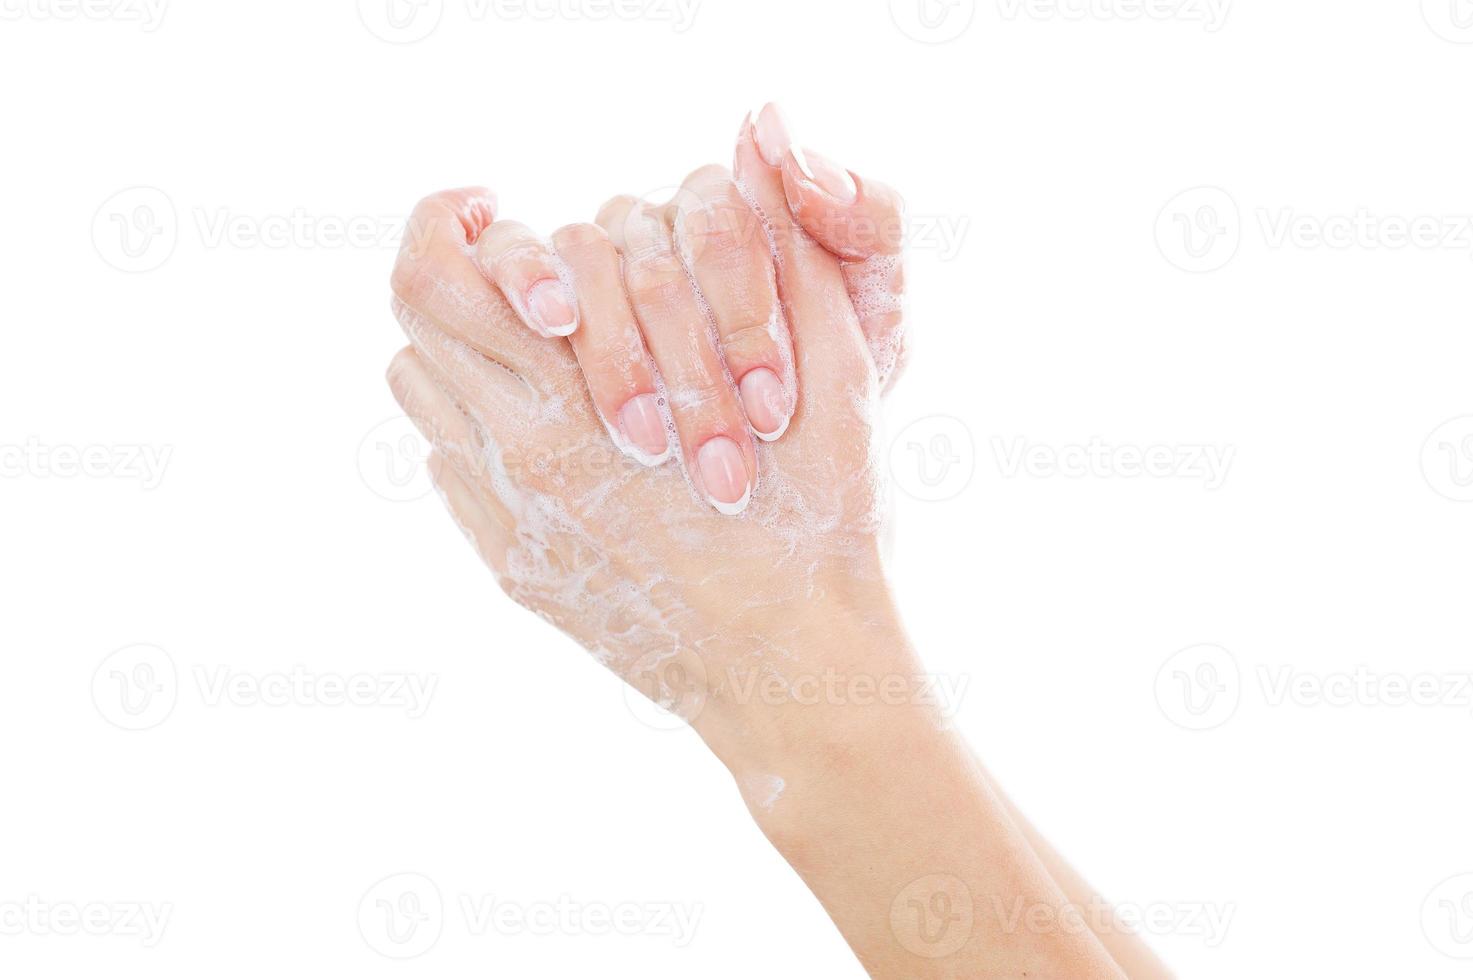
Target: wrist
(845, 675)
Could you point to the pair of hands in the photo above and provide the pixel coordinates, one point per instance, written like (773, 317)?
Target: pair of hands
(555, 379)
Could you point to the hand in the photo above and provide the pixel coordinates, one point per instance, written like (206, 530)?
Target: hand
(651, 581)
(617, 555)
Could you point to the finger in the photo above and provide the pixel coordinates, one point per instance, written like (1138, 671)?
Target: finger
(723, 244)
(610, 349)
(714, 437)
(491, 539)
(527, 556)
(446, 426)
(877, 289)
(863, 222)
(851, 217)
(828, 344)
(527, 273)
(435, 276)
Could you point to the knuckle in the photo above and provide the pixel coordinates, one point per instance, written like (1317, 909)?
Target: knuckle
(699, 394)
(411, 282)
(655, 278)
(711, 173)
(580, 235)
(750, 340)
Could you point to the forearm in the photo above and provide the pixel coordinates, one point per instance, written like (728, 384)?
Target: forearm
(885, 814)
(1126, 948)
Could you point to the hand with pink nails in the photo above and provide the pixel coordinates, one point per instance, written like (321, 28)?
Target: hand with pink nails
(746, 329)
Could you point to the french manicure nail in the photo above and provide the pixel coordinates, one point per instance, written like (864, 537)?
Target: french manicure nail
(826, 175)
(551, 307)
(724, 475)
(642, 425)
(762, 397)
(772, 135)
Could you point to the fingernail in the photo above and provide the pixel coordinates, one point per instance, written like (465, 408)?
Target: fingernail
(772, 135)
(828, 176)
(552, 308)
(642, 425)
(762, 397)
(724, 475)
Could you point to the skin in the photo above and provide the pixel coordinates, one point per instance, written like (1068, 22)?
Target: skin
(735, 620)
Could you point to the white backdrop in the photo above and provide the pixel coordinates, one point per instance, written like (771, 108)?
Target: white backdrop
(1190, 291)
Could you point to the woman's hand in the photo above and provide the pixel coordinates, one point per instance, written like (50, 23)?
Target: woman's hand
(724, 610)
(621, 556)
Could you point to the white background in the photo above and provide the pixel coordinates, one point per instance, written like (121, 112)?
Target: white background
(1336, 547)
